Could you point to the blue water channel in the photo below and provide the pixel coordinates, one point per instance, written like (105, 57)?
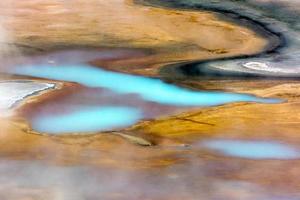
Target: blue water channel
(253, 149)
(149, 89)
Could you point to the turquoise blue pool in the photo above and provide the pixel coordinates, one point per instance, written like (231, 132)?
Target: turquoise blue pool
(253, 149)
(87, 119)
(90, 119)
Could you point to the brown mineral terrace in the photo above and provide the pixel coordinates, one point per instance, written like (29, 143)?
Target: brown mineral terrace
(169, 35)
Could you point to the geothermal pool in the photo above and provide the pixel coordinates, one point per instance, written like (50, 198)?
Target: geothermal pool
(149, 99)
(87, 118)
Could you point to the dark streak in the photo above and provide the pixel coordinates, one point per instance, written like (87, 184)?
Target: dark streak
(194, 121)
(277, 42)
(23, 46)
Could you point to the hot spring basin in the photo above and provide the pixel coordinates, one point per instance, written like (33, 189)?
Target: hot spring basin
(91, 119)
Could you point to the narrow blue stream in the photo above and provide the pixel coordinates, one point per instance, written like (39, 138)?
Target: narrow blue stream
(149, 89)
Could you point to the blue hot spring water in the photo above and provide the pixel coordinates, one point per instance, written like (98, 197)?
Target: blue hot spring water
(253, 149)
(149, 89)
(87, 119)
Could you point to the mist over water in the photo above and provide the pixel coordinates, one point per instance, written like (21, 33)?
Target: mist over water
(51, 182)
